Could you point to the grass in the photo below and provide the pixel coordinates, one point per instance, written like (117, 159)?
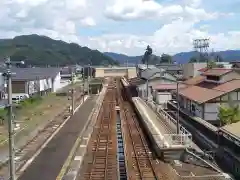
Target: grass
(34, 112)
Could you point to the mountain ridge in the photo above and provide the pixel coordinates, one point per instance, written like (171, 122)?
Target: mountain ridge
(180, 58)
(42, 50)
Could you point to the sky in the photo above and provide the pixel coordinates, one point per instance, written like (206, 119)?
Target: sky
(126, 26)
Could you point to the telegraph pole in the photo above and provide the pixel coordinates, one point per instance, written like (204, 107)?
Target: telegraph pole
(88, 80)
(178, 130)
(8, 74)
(72, 77)
(10, 124)
(83, 76)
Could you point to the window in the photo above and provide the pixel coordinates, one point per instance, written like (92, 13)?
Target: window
(213, 78)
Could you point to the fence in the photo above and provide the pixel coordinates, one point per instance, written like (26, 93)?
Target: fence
(184, 138)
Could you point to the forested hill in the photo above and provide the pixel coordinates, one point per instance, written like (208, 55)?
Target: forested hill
(42, 51)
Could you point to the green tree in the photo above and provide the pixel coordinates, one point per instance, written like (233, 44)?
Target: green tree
(147, 55)
(218, 58)
(211, 64)
(193, 60)
(229, 114)
(41, 51)
(165, 58)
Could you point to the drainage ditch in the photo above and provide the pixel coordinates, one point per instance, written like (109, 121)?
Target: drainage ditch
(120, 147)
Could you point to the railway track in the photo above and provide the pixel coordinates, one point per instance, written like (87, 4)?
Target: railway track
(101, 159)
(140, 162)
(24, 153)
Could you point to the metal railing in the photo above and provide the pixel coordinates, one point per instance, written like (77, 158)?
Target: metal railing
(178, 139)
(182, 139)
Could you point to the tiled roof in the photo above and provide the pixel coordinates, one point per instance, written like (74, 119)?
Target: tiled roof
(208, 85)
(148, 73)
(203, 69)
(28, 74)
(216, 72)
(136, 81)
(229, 86)
(168, 86)
(199, 94)
(195, 80)
(170, 67)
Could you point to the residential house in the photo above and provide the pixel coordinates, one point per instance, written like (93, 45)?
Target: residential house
(235, 64)
(142, 67)
(151, 77)
(35, 80)
(190, 70)
(174, 69)
(162, 93)
(206, 92)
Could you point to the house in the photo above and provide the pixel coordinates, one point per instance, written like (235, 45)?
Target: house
(192, 69)
(151, 77)
(162, 93)
(35, 80)
(142, 67)
(235, 64)
(206, 92)
(174, 69)
(66, 72)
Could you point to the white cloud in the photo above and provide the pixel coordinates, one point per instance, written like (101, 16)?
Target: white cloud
(139, 9)
(193, 3)
(88, 21)
(61, 19)
(171, 38)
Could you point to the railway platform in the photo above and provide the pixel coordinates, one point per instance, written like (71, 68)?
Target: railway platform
(162, 128)
(49, 162)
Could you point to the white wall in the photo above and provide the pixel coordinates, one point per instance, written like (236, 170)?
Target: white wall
(211, 111)
(191, 69)
(1, 79)
(163, 97)
(30, 87)
(57, 83)
(44, 85)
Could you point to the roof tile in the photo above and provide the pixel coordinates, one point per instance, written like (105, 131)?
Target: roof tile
(229, 86)
(216, 72)
(195, 80)
(169, 86)
(199, 94)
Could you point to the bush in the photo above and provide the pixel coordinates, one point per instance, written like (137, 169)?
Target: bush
(31, 101)
(3, 115)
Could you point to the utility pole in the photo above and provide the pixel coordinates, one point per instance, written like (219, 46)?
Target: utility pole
(88, 80)
(10, 123)
(72, 76)
(178, 130)
(83, 76)
(8, 74)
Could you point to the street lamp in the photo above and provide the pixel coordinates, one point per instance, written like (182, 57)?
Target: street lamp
(8, 74)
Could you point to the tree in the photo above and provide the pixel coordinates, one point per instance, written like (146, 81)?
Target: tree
(41, 51)
(218, 58)
(229, 114)
(147, 55)
(165, 58)
(193, 60)
(211, 64)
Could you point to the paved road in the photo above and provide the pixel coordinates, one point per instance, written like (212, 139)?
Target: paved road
(50, 161)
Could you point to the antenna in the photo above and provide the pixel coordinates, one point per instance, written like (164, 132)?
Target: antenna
(201, 46)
